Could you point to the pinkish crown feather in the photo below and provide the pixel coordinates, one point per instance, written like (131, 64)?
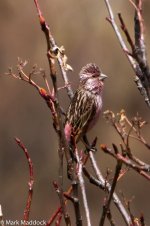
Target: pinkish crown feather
(89, 70)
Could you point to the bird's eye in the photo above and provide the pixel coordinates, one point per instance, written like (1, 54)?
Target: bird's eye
(95, 76)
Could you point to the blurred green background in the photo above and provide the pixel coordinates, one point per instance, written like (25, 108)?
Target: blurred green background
(82, 28)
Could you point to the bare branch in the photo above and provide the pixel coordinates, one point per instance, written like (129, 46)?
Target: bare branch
(55, 214)
(67, 217)
(103, 184)
(82, 186)
(141, 69)
(120, 124)
(139, 169)
(106, 206)
(55, 50)
(30, 183)
(59, 209)
(75, 200)
(76, 203)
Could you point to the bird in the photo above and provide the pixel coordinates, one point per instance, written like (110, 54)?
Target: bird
(86, 104)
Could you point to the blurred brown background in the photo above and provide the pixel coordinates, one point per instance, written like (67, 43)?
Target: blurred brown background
(81, 27)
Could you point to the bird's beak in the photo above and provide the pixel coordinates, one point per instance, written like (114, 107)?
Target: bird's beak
(102, 77)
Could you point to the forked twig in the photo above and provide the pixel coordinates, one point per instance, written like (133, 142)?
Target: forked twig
(114, 183)
(57, 52)
(103, 184)
(53, 52)
(137, 61)
(142, 170)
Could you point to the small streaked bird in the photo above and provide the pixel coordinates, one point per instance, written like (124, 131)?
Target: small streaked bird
(86, 105)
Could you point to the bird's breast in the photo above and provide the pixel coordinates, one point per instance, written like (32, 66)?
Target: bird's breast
(98, 107)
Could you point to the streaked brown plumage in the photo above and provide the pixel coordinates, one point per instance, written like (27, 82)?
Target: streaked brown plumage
(86, 105)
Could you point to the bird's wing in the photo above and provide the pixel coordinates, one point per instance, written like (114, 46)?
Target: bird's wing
(80, 112)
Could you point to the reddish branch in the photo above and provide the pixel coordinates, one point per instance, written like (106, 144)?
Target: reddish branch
(30, 183)
(47, 96)
(59, 209)
(52, 55)
(68, 194)
(52, 51)
(53, 217)
(55, 50)
(142, 170)
(58, 190)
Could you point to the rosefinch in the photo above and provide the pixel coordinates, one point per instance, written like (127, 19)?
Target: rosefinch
(86, 105)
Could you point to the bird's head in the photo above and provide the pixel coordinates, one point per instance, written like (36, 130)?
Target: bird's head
(91, 78)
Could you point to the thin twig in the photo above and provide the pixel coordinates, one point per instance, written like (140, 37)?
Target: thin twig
(52, 54)
(75, 200)
(56, 49)
(139, 169)
(53, 217)
(59, 209)
(123, 27)
(67, 217)
(48, 97)
(117, 32)
(137, 64)
(109, 216)
(103, 184)
(30, 183)
(106, 206)
(58, 222)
